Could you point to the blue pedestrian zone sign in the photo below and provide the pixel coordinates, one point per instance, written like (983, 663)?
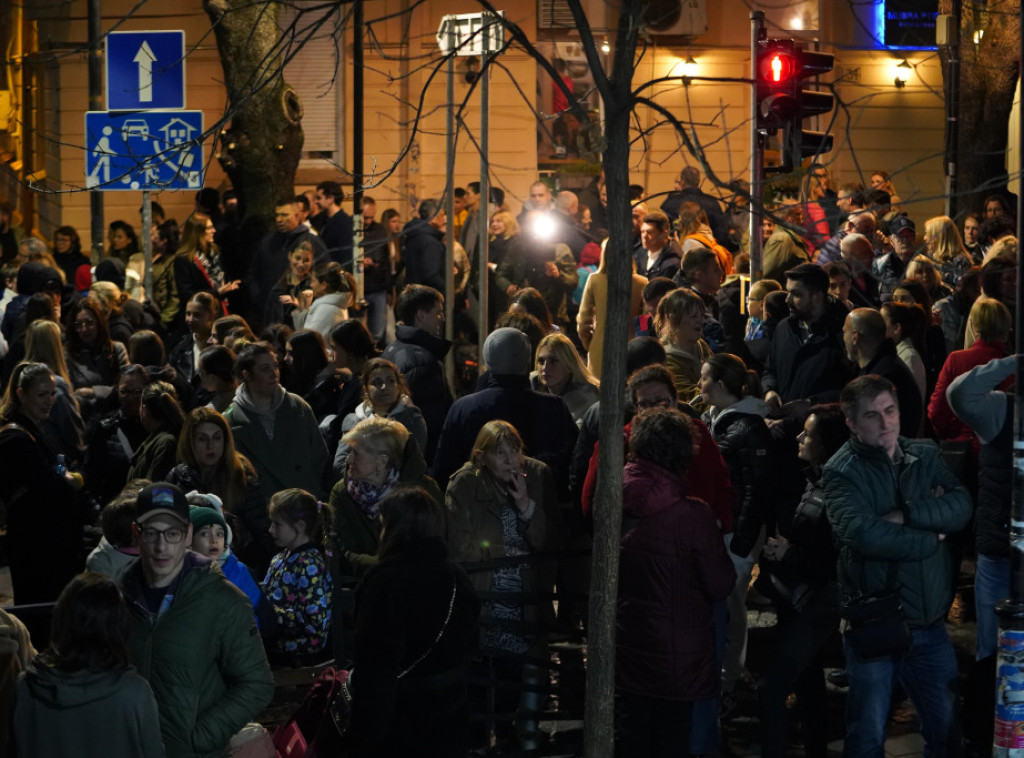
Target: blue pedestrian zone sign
(145, 70)
(146, 150)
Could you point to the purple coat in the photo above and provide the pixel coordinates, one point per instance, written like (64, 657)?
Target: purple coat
(673, 567)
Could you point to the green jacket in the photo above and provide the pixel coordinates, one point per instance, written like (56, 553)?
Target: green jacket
(296, 455)
(357, 536)
(862, 485)
(203, 657)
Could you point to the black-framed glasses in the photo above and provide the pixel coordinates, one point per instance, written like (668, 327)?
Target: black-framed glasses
(171, 536)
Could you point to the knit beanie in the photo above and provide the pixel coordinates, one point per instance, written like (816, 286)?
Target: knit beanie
(202, 515)
(508, 351)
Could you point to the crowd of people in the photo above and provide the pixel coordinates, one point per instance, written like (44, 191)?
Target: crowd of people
(230, 452)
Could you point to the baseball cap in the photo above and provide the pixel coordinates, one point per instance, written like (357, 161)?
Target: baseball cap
(900, 223)
(161, 499)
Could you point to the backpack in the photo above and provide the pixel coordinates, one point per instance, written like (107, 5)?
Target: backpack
(317, 727)
(723, 255)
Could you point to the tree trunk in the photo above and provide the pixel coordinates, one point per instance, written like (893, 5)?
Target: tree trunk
(988, 79)
(599, 730)
(260, 148)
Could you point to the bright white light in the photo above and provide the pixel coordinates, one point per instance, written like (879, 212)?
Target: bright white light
(605, 47)
(901, 71)
(689, 67)
(978, 34)
(796, 24)
(544, 226)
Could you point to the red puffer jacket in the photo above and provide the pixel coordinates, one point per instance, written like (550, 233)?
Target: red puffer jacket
(673, 567)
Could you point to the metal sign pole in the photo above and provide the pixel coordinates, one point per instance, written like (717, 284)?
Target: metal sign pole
(483, 212)
(147, 243)
(1009, 715)
(756, 154)
(449, 272)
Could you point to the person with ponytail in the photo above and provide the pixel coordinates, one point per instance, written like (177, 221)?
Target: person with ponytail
(162, 418)
(298, 584)
(735, 417)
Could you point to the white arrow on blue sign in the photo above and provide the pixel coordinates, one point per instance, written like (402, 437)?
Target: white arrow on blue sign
(145, 70)
(147, 150)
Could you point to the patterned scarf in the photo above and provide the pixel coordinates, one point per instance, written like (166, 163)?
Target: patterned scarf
(367, 495)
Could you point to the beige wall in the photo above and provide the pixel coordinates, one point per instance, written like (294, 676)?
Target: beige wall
(899, 130)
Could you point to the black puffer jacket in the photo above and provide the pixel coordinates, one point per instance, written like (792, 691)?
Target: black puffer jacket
(815, 369)
(418, 356)
(424, 254)
(744, 441)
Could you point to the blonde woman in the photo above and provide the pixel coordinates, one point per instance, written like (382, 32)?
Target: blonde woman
(502, 504)
(591, 317)
(560, 371)
(505, 262)
(945, 246)
(111, 300)
(64, 424)
(680, 323)
(923, 269)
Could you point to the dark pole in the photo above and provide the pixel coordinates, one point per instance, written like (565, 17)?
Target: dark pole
(952, 111)
(357, 150)
(1009, 721)
(96, 104)
(756, 153)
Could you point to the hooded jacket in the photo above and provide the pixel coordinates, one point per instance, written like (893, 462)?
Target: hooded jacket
(284, 445)
(672, 569)
(405, 413)
(744, 442)
(101, 714)
(418, 356)
(424, 254)
(32, 278)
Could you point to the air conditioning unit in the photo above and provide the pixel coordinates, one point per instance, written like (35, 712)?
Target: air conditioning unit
(680, 18)
(555, 14)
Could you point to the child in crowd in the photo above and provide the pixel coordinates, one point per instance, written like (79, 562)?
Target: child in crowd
(298, 584)
(81, 697)
(211, 538)
(116, 550)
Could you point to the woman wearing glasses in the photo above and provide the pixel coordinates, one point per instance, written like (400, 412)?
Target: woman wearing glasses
(41, 496)
(385, 394)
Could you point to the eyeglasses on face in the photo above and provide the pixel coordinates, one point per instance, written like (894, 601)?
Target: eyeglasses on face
(171, 536)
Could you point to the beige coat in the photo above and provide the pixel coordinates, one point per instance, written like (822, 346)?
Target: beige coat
(590, 319)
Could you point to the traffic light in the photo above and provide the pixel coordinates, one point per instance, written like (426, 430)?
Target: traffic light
(783, 103)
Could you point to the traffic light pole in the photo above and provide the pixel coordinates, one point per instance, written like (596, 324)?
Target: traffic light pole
(1009, 716)
(756, 152)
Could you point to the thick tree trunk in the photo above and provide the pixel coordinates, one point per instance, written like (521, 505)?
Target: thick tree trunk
(988, 78)
(260, 148)
(599, 734)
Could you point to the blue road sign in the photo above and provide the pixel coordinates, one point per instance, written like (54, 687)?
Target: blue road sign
(147, 150)
(145, 70)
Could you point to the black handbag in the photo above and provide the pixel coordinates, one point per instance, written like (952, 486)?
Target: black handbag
(875, 625)
(782, 583)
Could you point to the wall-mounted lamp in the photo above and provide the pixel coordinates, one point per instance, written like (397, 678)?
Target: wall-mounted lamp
(689, 67)
(901, 72)
(605, 47)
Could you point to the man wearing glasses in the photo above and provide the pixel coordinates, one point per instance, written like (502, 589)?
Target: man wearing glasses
(192, 633)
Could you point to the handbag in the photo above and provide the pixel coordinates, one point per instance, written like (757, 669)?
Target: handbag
(782, 584)
(875, 625)
(317, 728)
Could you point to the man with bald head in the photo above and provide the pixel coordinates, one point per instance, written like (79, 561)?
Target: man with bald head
(874, 353)
(858, 255)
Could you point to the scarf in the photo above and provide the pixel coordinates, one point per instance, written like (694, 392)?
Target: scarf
(367, 495)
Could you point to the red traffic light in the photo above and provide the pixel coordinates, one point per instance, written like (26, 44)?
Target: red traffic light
(777, 67)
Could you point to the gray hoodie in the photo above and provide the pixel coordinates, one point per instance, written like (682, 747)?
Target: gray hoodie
(106, 714)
